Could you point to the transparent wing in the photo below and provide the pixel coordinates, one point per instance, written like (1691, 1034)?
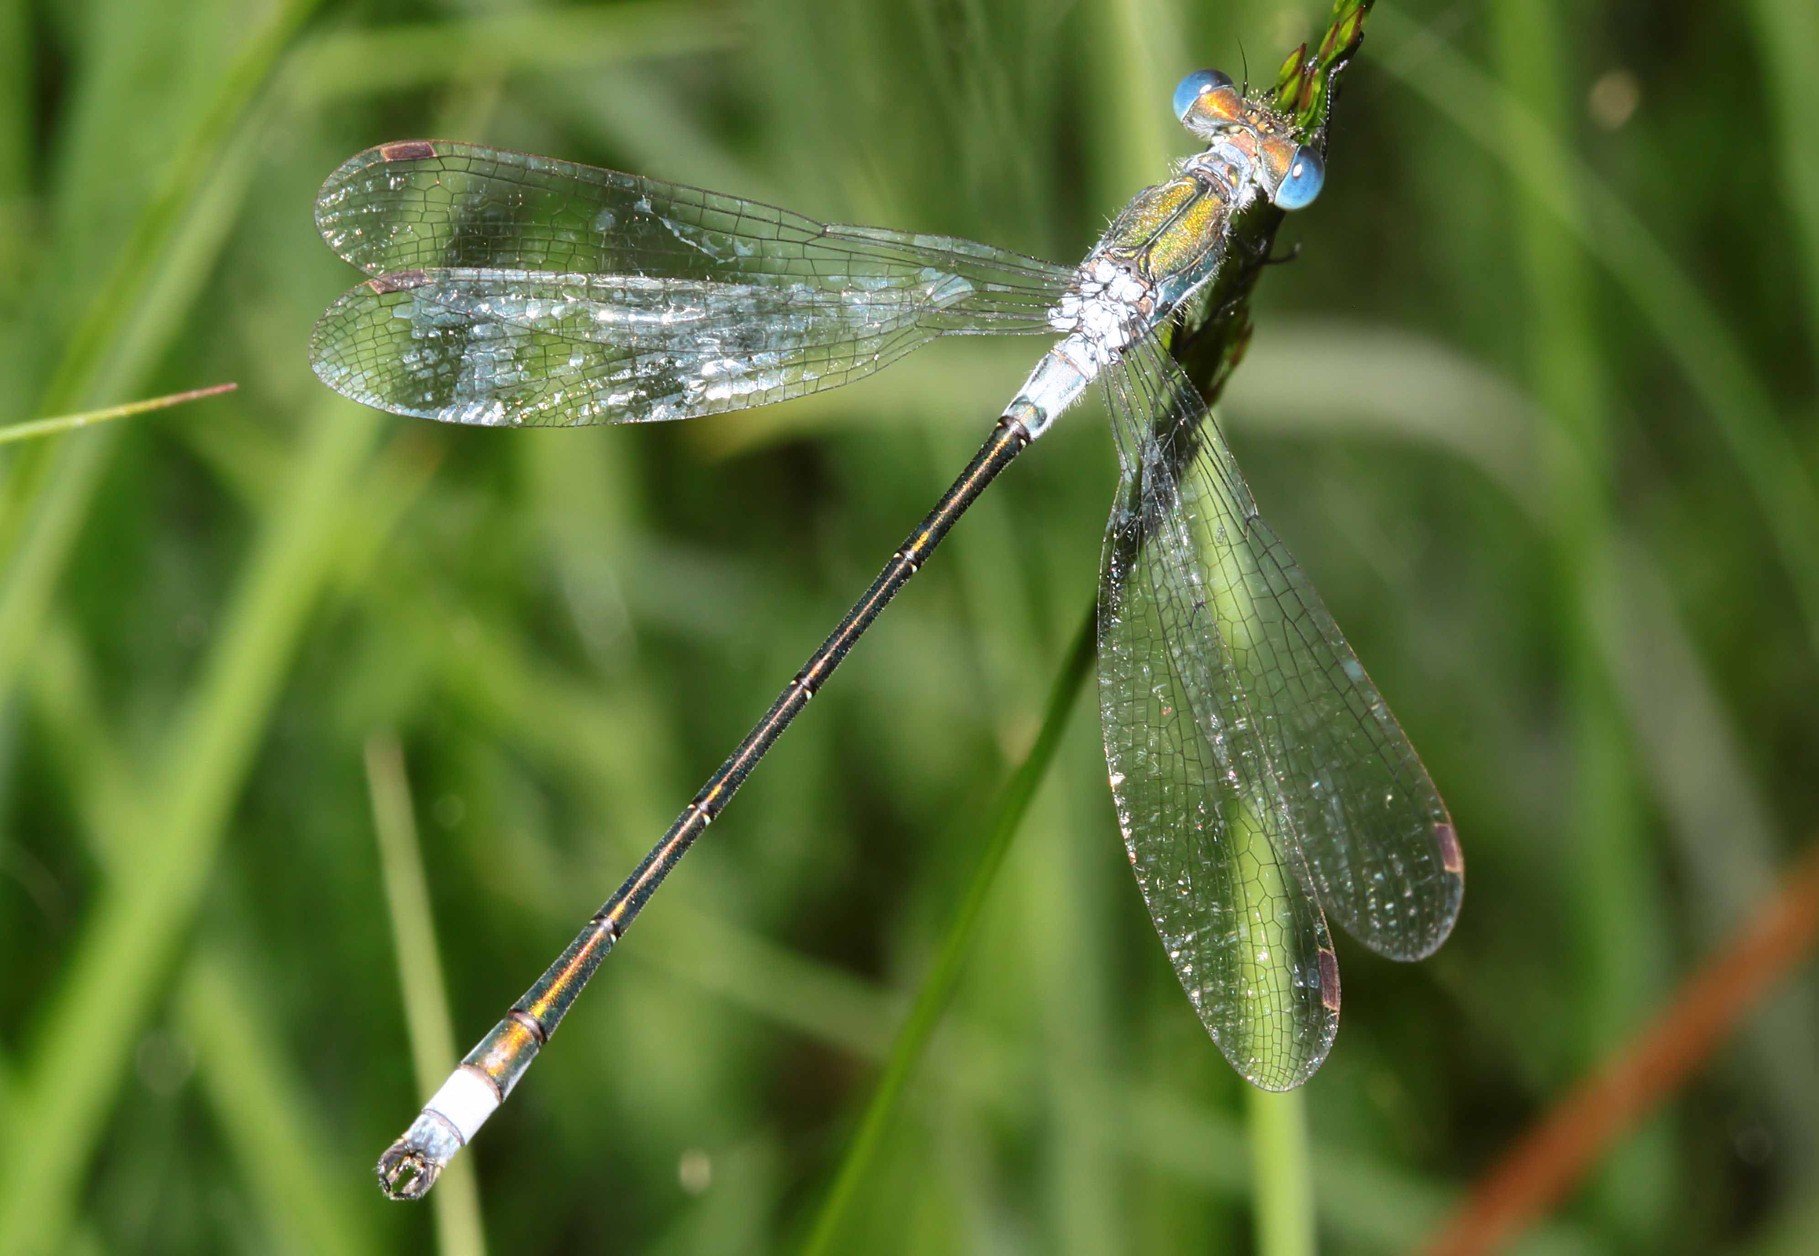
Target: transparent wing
(512, 289)
(516, 348)
(432, 204)
(1374, 837)
(1204, 821)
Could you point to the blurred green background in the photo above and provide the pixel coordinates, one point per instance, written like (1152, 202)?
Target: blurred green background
(292, 690)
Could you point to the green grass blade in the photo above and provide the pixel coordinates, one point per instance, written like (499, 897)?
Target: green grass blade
(1787, 32)
(459, 1228)
(44, 498)
(526, 41)
(1693, 332)
(270, 1122)
(1617, 933)
(937, 989)
(17, 108)
(114, 305)
(118, 963)
(258, 1102)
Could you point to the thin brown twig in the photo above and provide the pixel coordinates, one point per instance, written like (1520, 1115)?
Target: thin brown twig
(1554, 1155)
(88, 418)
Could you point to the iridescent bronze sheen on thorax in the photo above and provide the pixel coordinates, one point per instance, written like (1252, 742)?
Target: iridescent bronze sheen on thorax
(1169, 230)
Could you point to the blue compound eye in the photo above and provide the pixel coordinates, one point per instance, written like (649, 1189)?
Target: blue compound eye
(1196, 85)
(1299, 187)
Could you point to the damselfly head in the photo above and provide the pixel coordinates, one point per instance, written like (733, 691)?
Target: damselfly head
(1211, 107)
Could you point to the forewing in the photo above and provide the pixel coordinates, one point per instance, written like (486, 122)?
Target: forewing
(518, 290)
(430, 205)
(1204, 821)
(1374, 835)
(511, 348)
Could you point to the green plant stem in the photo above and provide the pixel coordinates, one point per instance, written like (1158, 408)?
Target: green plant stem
(937, 989)
(1282, 1174)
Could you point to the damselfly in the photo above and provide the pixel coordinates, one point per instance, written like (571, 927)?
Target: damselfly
(1261, 783)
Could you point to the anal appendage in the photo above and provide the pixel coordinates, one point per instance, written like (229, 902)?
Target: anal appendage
(447, 1123)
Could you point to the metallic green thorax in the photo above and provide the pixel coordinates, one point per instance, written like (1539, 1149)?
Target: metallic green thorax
(1170, 231)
